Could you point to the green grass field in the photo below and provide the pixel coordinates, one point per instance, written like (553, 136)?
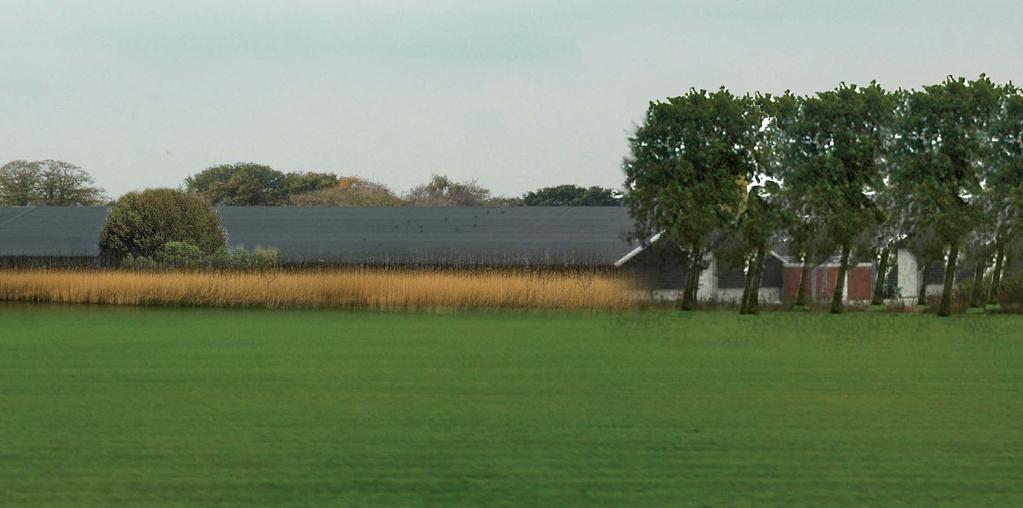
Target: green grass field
(191, 407)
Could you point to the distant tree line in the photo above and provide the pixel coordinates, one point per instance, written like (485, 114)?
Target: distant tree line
(572, 195)
(249, 184)
(58, 183)
(854, 172)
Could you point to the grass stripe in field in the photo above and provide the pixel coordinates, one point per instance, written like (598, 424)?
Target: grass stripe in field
(103, 406)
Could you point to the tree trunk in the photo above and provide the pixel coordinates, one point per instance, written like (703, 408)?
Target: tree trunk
(804, 273)
(696, 267)
(691, 280)
(996, 277)
(836, 298)
(753, 305)
(921, 297)
(744, 303)
(978, 282)
(882, 277)
(950, 278)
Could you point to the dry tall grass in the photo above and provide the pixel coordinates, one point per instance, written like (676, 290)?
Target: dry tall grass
(363, 288)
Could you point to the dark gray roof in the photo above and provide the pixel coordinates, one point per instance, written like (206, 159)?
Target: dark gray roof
(784, 252)
(404, 235)
(438, 236)
(51, 231)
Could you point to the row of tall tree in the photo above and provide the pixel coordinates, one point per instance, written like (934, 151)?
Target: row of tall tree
(854, 172)
(249, 184)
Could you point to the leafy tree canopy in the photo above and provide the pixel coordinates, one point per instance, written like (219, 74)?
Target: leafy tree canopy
(572, 195)
(300, 183)
(47, 183)
(443, 191)
(834, 149)
(940, 148)
(349, 191)
(249, 184)
(243, 184)
(1004, 172)
(690, 162)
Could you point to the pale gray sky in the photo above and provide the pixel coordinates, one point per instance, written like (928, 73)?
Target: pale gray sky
(514, 94)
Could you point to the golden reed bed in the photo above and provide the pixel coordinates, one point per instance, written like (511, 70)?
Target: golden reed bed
(362, 288)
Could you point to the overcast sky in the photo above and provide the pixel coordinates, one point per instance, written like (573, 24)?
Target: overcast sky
(514, 94)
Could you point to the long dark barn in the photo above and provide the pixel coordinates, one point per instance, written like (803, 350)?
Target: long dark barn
(457, 237)
(518, 237)
(527, 237)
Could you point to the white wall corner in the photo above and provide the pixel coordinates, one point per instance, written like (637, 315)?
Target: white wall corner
(708, 279)
(909, 275)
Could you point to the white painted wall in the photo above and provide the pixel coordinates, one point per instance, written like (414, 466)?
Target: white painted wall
(708, 280)
(767, 295)
(659, 295)
(909, 275)
(733, 295)
(909, 278)
(770, 295)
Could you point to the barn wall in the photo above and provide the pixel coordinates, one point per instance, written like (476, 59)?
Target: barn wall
(859, 284)
(735, 278)
(730, 278)
(820, 283)
(51, 262)
(772, 274)
(658, 267)
(790, 282)
(661, 275)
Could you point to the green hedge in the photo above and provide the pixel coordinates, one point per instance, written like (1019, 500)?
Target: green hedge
(185, 255)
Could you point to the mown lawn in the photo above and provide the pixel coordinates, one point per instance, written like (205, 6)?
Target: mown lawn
(176, 407)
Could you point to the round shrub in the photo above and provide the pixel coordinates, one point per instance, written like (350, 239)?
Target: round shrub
(141, 223)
